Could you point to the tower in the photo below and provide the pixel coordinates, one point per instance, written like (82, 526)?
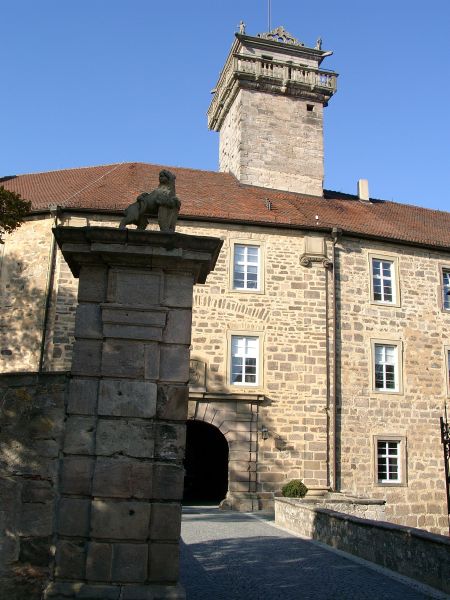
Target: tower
(268, 107)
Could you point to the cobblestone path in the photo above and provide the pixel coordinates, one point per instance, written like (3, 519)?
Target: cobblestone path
(234, 556)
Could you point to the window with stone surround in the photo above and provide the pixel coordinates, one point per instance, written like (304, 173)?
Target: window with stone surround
(384, 288)
(390, 460)
(446, 288)
(245, 360)
(386, 366)
(246, 267)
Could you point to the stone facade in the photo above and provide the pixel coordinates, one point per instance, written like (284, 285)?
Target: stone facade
(423, 330)
(292, 314)
(274, 141)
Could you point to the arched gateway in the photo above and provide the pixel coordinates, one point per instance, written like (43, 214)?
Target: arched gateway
(217, 420)
(205, 464)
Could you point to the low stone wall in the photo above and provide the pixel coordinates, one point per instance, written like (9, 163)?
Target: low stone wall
(412, 552)
(295, 516)
(31, 424)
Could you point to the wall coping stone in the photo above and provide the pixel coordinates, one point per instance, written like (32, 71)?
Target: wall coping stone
(21, 378)
(333, 498)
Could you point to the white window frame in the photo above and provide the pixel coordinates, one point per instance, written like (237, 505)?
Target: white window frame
(259, 289)
(393, 279)
(396, 362)
(245, 335)
(393, 456)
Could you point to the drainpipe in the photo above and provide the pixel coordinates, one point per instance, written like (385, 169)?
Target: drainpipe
(335, 234)
(48, 290)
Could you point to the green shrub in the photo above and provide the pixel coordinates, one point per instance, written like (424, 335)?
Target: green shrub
(294, 489)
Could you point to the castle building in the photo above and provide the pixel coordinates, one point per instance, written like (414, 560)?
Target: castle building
(321, 342)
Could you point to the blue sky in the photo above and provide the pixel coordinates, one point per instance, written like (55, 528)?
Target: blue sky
(91, 82)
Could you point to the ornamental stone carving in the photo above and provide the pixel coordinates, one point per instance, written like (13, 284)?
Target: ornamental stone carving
(279, 34)
(162, 203)
(197, 373)
(315, 251)
(306, 260)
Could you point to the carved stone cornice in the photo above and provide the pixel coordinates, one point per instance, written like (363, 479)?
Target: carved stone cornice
(279, 34)
(273, 76)
(225, 397)
(307, 260)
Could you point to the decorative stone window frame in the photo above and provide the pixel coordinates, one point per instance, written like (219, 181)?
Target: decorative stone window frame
(239, 387)
(402, 460)
(396, 302)
(261, 267)
(443, 268)
(399, 364)
(447, 369)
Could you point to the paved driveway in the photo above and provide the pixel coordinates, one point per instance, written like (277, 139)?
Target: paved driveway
(234, 556)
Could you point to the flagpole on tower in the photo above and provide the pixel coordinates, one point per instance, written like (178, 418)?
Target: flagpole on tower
(269, 16)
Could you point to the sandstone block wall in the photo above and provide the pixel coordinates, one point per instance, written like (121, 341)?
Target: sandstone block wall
(424, 330)
(31, 426)
(293, 358)
(291, 314)
(294, 377)
(230, 140)
(24, 269)
(274, 141)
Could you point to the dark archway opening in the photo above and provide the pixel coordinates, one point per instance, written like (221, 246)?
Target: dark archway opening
(205, 463)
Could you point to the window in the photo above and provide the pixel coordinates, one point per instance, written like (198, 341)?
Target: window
(383, 281)
(390, 460)
(386, 375)
(246, 267)
(388, 463)
(244, 360)
(446, 289)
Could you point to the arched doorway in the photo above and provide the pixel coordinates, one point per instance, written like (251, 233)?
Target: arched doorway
(205, 463)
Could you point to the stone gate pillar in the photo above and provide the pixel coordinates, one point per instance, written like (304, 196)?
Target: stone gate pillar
(119, 513)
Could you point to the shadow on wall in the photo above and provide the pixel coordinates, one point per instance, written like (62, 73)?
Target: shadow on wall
(31, 426)
(22, 312)
(31, 421)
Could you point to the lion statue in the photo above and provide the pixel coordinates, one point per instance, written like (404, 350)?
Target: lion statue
(162, 203)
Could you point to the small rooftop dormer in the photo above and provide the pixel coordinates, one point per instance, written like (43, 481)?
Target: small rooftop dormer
(268, 107)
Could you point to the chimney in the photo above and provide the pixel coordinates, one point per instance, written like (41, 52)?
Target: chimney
(363, 190)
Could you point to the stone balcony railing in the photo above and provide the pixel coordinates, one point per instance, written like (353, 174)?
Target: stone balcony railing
(279, 73)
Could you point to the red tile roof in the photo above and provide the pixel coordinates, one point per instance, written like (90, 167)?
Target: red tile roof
(220, 197)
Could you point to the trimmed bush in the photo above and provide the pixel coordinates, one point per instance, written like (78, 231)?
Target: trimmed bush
(294, 489)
